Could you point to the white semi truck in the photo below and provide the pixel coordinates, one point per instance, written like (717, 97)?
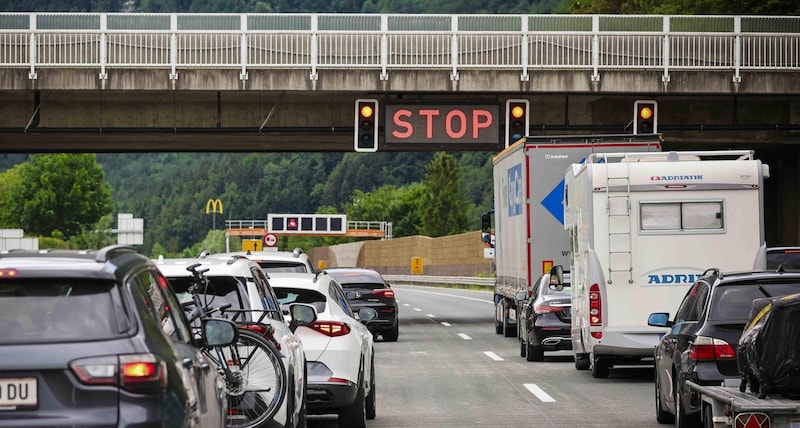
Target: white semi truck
(526, 227)
(642, 228)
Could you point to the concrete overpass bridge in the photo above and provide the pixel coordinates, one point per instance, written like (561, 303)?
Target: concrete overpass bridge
(288, 82)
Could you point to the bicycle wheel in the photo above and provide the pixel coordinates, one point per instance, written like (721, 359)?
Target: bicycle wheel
(256, 386)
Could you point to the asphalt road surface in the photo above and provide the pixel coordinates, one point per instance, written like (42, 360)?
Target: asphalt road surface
(449, 369)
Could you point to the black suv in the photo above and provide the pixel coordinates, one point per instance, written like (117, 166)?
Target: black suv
(366, 288)
(703, 337)
(98, 338)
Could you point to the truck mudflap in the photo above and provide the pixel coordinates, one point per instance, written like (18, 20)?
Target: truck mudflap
(727, 406)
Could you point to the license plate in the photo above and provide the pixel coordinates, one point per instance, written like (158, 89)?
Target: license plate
(17, 393)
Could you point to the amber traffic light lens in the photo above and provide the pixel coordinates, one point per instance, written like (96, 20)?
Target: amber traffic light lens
(646, 113)
(517, 112)
(367, 111)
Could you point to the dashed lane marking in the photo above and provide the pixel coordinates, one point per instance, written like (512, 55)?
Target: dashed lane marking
(464, 336)
(447, 324)
(539, 393)
(493, 356)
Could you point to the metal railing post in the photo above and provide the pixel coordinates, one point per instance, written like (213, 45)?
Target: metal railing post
(173, 47)
(737, 50)
(32, 47)
(384, 46)
(595, 49)
(103, 46)
(244, 49)
(524, 54)
(665, 55)
(454, 47)
(314, 47)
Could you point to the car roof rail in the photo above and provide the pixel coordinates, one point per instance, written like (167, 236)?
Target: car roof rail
(204, 254)
(297, 252)
(236, 257)
(106, 253)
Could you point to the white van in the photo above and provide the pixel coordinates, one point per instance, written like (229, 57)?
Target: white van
(643, 227)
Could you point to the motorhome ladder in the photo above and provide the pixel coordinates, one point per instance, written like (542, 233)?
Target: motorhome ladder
(618, 208)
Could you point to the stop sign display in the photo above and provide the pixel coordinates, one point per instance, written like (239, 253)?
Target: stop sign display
(442, 123)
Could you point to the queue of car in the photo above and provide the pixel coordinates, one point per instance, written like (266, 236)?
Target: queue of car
(120, 354)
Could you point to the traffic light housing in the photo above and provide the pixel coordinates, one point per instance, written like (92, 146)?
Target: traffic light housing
(366, 125)
(517, 120)
(645, 117)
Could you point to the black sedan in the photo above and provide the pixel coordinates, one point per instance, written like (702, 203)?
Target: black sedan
(367, 288)
(703, 336)
(98, 339)
(546, 318)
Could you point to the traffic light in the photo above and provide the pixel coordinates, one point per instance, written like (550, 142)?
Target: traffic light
(645, 117)
(366, 126)
(516, 120)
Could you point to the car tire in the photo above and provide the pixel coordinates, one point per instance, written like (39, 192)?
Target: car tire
(392, 334)
(534, 353)
(370, 404)
(355, 415)
(600, 367)
(708, 416)
(682, 419)
(582, 362)
(662, 416)
(523, 349)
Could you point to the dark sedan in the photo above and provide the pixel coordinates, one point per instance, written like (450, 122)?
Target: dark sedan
(546, 318)
(701, 343)
(98, 339)
(366, 288)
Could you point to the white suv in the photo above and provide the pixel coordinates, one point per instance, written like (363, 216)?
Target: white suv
(277, 261)
(241, 282)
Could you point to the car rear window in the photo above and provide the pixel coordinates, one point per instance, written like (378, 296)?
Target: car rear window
(787, 259)
(288, 295)
(58, 310)
(734, 302)
(221, 290)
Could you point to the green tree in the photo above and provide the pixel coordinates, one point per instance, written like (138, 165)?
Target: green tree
(443, 206)
(59, 194)
(398, 205)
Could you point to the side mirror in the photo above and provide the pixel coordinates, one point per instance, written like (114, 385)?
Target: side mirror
(522, 295)
(352, 295)
(365, 315)
(219, 331)
(486, 228)
(301, 314)
(659, 319)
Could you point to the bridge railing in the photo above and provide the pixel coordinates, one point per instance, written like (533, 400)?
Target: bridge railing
(315, 42)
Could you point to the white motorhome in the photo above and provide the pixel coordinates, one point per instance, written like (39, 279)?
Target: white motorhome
(642, 228)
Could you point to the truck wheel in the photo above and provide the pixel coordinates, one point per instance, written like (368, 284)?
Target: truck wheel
(582, 362)
(600, 367)
(523, 348)
(508, 331)
(498, 327)
(708, 416)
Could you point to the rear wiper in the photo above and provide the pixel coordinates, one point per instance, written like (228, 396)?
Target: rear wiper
(761, 287)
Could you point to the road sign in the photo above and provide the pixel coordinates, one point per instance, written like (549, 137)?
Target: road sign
(270, 240)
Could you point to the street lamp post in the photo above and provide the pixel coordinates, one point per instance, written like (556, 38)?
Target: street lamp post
(211, 207)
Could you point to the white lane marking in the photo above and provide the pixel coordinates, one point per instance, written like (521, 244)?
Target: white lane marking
(432, 315)
(417, 309)
(449, 295)
(493, 356)
(464, 336)
(539, 393)
(447, 324)
(406, 304)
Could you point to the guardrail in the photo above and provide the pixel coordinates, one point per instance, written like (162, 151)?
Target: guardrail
(386, 42)
(460, 281)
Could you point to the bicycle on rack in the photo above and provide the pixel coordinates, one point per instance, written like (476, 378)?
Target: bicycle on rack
(254, 373)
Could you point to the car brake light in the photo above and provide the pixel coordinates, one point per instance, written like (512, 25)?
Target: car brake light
(8, 273)
(708, 348)
(255, 328)
(141, 373)
(546, 309)
(330, 328)
(384, 292)
(595, 310)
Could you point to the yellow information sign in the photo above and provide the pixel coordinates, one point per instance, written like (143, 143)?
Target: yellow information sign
(322, 264)
(416, 265)
(251, 245)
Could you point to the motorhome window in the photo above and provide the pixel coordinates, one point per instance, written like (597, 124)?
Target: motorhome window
(677, 216)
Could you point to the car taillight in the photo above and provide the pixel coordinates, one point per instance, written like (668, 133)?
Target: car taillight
(595, 310)
(262, 330)
(546, 309)
(141, 373)
(330, 328)
(384, 292)
(709, 348)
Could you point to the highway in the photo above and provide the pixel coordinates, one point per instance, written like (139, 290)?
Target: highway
(449, 369)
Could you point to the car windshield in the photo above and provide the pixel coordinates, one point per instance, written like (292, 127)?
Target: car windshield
(287, 267)
(58, 310)
(287, 296)
(734, 302)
